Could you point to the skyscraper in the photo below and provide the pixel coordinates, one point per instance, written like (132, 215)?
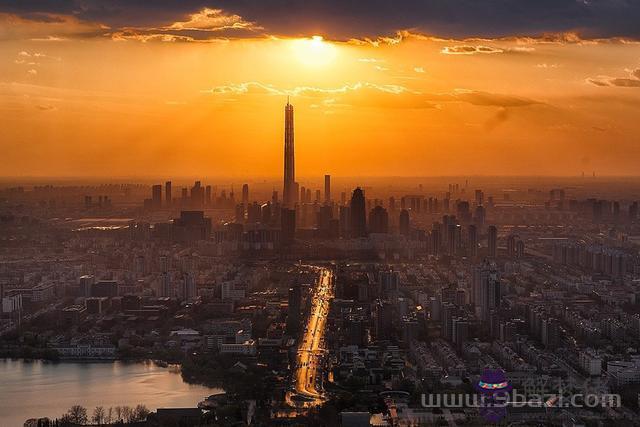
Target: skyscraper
(405, 224)
(472, 241)
(486, 292)
(327, 189)
(156, 196)
(287, 225)
(167, 192)
(358, 214)
(189, 289)
(289, 158)
(379, 220)
(245, 194)
(492, 241)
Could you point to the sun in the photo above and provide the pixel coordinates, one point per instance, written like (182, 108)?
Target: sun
(314, 52)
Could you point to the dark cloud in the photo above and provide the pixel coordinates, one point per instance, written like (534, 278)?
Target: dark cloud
(632, 81)
(493, 99)
(625, 82)
(469, 50)
(500, 117)
(348, 19)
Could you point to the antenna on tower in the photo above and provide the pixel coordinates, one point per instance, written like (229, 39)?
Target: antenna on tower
(287, 99)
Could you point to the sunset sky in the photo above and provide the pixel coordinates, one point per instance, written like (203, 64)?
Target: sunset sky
(459, 87)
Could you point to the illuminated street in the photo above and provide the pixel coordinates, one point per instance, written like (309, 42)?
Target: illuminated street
(310, 360)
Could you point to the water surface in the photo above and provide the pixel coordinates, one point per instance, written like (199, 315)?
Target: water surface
(39, 389)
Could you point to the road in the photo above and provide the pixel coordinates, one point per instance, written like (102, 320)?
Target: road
(310, 360)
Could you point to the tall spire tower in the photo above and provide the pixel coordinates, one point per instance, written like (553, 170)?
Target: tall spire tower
(289, 197)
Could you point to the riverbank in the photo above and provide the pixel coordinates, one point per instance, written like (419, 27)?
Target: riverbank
(39, 388)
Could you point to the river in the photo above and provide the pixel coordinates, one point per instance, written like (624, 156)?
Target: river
(39, 389)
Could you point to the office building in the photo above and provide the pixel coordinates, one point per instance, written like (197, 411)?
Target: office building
(327, 189)
(290, 188)
(156, 196)
(167, 193)
(358, 214)
(492, 241)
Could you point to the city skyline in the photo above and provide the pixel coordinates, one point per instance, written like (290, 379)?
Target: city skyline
(443, 228)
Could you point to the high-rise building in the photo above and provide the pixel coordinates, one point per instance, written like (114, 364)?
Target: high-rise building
(379, 220)
(189, 291)
(511, 245)
(383, 313)
(245, 194)
(492, 241)
(86, 285)
(207, 195)
(472, 241)
(167, 193)
(289, 193)
(287, 225)
(358, 214)
(156, 196)
(327, 189)
(240, 213)
(519, 249)
(479, 215)
(165, 285)
(486, 290)
(197, 195)
(405, 225)
(345, 221)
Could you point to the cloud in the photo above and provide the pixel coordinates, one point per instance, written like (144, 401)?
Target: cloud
(205, 25)
(598, 82)
(469, 50)
(45, 107)
(54, 28)
(32, 72)
(213, 20)
(492, 99)
(500, 117)
(150, 37)
(418, 70)
(625, 82)
(37, 55)
(309, 91)
(632, 81)
(365, 94)
(344, 20)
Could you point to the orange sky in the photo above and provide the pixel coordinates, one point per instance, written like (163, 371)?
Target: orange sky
(413, 105)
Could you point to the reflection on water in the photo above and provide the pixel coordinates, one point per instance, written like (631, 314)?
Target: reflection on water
(38, 389)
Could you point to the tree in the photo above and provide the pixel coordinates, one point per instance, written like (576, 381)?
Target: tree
(126, 413)
(140, 413)
(109, 416)
(77, 414)
(98, 415)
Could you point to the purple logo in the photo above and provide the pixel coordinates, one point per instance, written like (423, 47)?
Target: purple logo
(494, 389)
